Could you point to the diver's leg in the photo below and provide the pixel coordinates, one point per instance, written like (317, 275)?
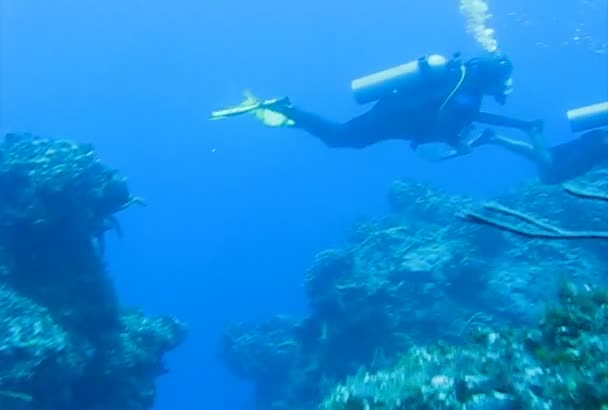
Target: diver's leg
(531, 151)
(536, 151)
(521, 148)
(538, 142)
(358, 132)
(329, 132)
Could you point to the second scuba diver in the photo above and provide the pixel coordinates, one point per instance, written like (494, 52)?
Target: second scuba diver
(559, 163)
(429, 100)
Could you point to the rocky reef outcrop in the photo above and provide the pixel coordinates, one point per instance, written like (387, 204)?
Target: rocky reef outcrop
(558, 364)
(66, 342)
(430, 299)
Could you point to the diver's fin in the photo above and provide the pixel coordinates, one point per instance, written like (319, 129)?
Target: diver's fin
(250, 104)
(246, 106)
(263, 110)
(233, 111)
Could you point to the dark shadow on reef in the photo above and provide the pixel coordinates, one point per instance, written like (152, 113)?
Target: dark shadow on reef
(66, 343)
(433, 307)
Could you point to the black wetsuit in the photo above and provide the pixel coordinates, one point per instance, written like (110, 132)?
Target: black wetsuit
(575, 158)
(392, 119)
(443, 117)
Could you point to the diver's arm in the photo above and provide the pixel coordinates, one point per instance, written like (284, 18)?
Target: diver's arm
(503, 121)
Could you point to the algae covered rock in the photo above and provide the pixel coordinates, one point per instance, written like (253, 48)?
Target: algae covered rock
(46, 182)
(128, 362)
(261, 351)
(423, 274)
(560, 364)
(66, 343)
(38, 356)
(281, 354)
(58, 200)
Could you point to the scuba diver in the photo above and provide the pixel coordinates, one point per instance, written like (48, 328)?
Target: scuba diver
(562, 162)
(431, 99)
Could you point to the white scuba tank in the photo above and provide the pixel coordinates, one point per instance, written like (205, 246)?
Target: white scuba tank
(588, 117)
(416, 80)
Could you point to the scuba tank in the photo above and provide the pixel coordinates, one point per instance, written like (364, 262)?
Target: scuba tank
(420, 80)
(588, 117)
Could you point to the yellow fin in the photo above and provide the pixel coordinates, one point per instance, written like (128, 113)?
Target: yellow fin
(255, 106)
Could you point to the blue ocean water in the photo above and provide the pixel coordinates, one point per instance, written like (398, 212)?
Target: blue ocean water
(237, 211)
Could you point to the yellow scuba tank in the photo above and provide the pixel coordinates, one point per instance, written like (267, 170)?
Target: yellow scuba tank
(419, 80)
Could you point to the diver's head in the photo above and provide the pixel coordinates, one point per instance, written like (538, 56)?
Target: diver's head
(491, 74)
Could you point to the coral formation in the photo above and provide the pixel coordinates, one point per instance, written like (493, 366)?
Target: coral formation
(66, 343)
(560, 364)
(536, 228)
(423, 309)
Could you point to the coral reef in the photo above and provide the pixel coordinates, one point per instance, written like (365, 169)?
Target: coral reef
(393, 311)
(536, 228)
(560, 364)
(66, 343)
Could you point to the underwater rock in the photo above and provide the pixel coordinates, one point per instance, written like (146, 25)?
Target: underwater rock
(38, 356)
(417, 204)
(47, 183)
(268, 353)
(128, 362)
(261, 351)
(57, 201)
(418, 275)
(561, 364)
(66, 343)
